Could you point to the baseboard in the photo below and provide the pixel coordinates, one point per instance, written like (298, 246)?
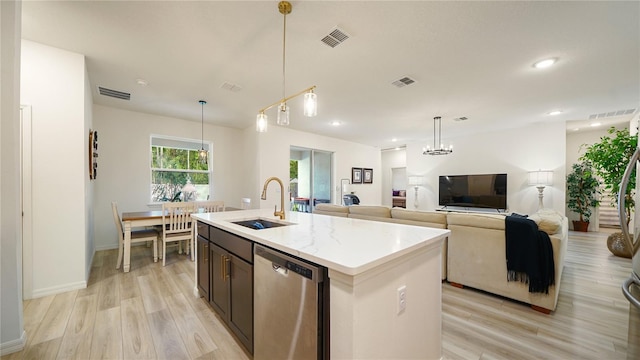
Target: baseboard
(37, 293)
(106, 247)
(12, 346)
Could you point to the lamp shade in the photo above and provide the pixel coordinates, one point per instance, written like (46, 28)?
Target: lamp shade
(283, 115)
(261, 122)
(415, 180)
(541, 177)
(310, 104)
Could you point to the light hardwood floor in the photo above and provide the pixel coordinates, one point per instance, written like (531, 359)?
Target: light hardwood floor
(151, 313)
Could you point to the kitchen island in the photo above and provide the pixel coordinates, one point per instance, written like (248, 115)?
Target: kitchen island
(368, 263)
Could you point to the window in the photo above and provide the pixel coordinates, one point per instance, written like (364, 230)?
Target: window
(176, 172)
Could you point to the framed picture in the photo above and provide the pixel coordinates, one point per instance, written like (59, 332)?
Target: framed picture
(367, 176)
(93, 155)
(356, 175)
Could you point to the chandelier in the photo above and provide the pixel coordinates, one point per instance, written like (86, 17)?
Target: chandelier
(310, 98)
(437, 139)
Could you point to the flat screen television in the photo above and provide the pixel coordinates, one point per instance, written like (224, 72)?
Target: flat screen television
(485, 191)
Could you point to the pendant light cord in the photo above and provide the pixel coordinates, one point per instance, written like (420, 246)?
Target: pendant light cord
(435, 146)
(284, 46)
(202, 126)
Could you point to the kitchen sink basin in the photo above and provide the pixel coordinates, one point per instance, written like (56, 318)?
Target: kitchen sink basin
(259, 224)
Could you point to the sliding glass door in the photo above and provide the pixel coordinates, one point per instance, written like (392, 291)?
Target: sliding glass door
(310, 178)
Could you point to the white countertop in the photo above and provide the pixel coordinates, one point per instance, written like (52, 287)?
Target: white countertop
(350, 246)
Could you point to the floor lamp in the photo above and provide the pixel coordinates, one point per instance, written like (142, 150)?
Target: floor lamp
(540, 179)
(415, 181)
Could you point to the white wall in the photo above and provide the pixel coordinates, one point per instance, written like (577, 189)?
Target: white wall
(124, 174)
(511, 151)
(53, 83)
(273, 160)
(12, 335)
(90, 248)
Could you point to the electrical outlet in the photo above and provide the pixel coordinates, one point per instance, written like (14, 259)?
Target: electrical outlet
(402, 298)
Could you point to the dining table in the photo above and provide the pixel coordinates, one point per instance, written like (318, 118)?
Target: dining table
(133, 220)
(136, 219)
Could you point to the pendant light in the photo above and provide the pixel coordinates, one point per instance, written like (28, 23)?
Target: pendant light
(310, 98)
(203, 154)
(438, 147)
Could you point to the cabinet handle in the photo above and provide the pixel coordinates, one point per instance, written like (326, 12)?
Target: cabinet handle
(227, 267)
(222, 267)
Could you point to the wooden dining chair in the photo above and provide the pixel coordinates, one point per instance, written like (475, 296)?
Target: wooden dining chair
(137, 236)
(210, 206)
(176, 226)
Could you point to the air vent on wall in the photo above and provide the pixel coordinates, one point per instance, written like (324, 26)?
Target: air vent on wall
(403, 82)
(612, 113)
(114, 93)
(335, 37)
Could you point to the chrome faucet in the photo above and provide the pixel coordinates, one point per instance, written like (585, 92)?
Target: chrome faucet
(264, 196)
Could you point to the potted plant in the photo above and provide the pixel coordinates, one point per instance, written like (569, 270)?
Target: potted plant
(582, 190)
(610, 157)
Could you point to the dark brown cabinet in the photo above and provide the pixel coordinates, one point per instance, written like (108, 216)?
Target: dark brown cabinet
(204, 268)
(219, 284)
(241, 300)
(231, 282)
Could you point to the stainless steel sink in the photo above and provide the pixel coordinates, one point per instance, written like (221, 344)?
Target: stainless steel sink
(259, 224)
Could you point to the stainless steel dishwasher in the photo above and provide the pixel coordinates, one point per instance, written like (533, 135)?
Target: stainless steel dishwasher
(291, 311)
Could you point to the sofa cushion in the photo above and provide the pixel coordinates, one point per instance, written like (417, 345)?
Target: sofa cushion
(414, 215)
(330, 209)
(363, 210)
(549, 221)
(486, 221)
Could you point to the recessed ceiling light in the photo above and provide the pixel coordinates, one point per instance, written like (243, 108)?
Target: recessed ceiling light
(545, 63)
(554, 112)
(595, 124)
(336, 123)
(394, 139)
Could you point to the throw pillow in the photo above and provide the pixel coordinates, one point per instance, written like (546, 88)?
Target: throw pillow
(548, 221)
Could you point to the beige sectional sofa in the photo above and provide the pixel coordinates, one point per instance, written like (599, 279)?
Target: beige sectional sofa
(477, 256)
(474, 254)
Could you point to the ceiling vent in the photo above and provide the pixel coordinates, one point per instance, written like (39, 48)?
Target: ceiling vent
(114, 93)
(335, 37)
(403, 82)
(461, 118)
(612, 113)
(231, 87)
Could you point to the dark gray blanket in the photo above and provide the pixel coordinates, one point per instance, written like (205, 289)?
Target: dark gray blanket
(529, 254)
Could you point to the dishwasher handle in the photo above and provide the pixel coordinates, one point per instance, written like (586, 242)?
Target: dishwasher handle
(287, 263)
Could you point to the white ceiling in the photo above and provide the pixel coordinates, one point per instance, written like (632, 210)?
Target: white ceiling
(471, 59)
